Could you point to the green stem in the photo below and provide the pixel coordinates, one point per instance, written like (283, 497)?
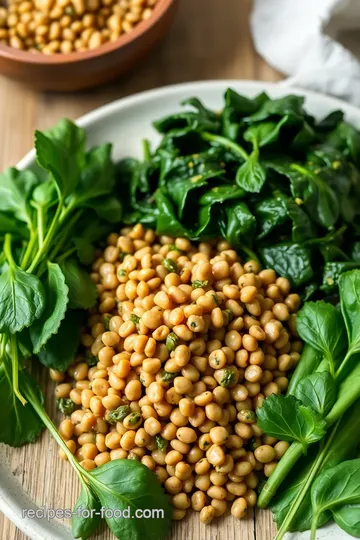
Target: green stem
(249, 253)
(305, 488)
(223, 141)
(146, 149)
(48, 238)
(66, 254)
(15, 368)
(29, 249)
(314, 527)
(283, 468)
(40, 224)
(309, 361)
(65, 232)
(39, 409)
(7, 249)
(344, 362)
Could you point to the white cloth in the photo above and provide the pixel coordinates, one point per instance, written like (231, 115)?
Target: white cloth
(315, 42)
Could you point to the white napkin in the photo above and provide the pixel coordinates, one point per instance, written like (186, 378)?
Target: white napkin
(315, 42)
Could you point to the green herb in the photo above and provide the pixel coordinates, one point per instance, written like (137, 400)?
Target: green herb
(170, 265)
(118, 415)
(134, 318)
(122, 256)
(168, 377)
(106, 321)
(228, 377)
(173, 247)
(134, 418)
(229, 314)
(198, 284)
(172, 341)
(161, 443)
(91, 361)
(337, 490)
(65, 405)
(216, 299)
(121, 272)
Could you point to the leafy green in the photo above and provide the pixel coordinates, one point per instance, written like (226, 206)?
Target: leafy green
(65, 405)
(83, 527)
(22, 299)
(337, 488)
(290, 260)
(171, 341)
(321, 325)
(56, 292)
(169, 264)
(121, 484)
(16, 188)
(349, 286)
(82, 291)
(287, 419)
(199, 284)
(317, 391)
(161, 443)
(118, 415)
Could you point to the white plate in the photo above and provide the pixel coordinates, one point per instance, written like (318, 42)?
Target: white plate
(125, 123)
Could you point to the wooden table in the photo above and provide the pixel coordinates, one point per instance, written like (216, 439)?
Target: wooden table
(210, 39)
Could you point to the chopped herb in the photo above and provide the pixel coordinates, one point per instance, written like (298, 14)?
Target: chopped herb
(65, 405)
(134, 418)
(172, 341)
(107, 322)
(161, 443)
(173, 247)
(170, 265)
(121, 272)
(91, 360)
(193, 325)
(215, 298)
(228, 377)
(198, 284)
(117, 415)
(122, 255)
(134, 318)
(168, 377)
(229, 314)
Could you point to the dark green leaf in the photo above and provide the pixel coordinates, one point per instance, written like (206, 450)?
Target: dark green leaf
(124, 483)
(56, 292)
(65, 405)
(332, 272)
(270, 213)
(289, 260)
(349, 287)
(16, 188)
(82, 291)
(108, 208)
(167, 223)
(288, 420)
(348, 518)
(22, 424)
(83, 527)
(22, 299)
(241, 224)
(118, 415)
(288, 105)
(317, 391)
(59, 352)
(236, 108)
(251, 175)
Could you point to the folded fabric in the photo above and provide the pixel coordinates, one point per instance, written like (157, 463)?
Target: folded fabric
(315, 42)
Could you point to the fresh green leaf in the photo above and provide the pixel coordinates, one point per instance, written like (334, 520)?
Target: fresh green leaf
(83, 527)
(82, 291)
(322, 326)
(289, 260)
(45, 194)
(56, 292)
(123, 483)
(199, 284)
(59, 351)
(16, 188)
(161, 443)
(347, 518)
(317, 391)
(241, 224)
(287, 419)
(22, 299)
(167, 223)
(118, 415)
(170, 265)
(332, 272)
(349, 287)
(337, 488)
(251, 175)
(171, 341)
(22, 424)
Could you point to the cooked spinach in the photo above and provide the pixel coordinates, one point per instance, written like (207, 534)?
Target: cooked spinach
(259, 166)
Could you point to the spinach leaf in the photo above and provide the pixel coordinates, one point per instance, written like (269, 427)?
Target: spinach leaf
(270, 213)
(167, 223)
(290, 105)
(61, 152)
(56, 292)
(322, 326)
(317, 391)
(302, 227)
(22, 424)
(10, 225)
(348, 518)
(287, 419)
(251, 175)
(202, 119)
(349, 288)
(87, 502)
(289, 260)
(65, 405)
(220, 194)
(59, 351)
(82, 291)
(336, 488)
(16, 188)
(45, 194)
(120, 484)
(22, 299)
(236, 108)
(241, 224)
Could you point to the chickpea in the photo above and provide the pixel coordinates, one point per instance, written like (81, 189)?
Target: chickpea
(239, 508)
(207, 514)
(198, 500)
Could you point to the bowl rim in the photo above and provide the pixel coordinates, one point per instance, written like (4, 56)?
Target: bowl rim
(26, 57)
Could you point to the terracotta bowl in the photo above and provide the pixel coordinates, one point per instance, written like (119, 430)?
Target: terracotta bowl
(78, 70)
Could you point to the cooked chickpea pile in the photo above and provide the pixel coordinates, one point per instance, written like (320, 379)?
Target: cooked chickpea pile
(63, 26)
(185, 343)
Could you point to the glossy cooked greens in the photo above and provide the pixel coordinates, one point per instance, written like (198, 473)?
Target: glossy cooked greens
(265, 174)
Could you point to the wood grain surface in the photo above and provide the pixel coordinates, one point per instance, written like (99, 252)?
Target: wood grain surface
(210, 39)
